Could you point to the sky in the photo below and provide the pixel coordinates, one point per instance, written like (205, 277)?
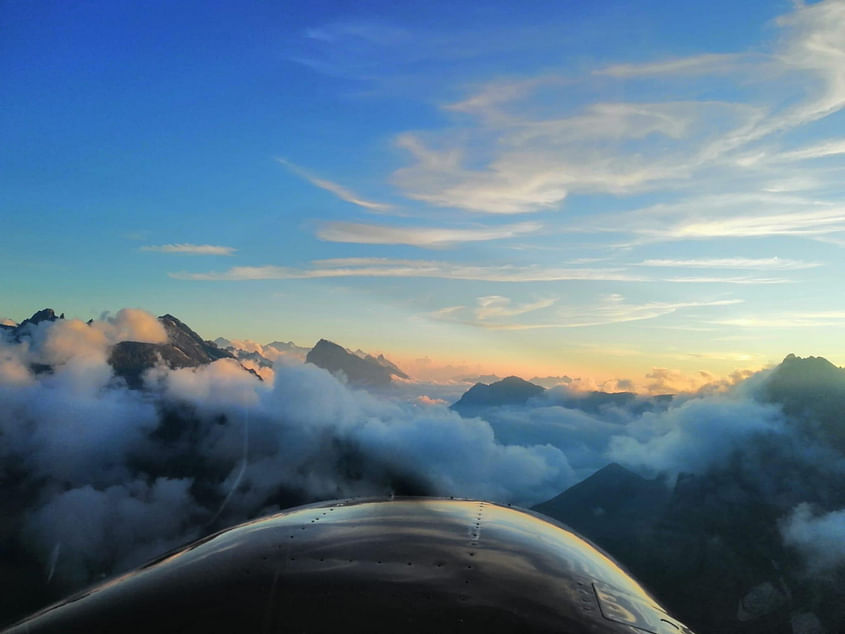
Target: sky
(554, 188)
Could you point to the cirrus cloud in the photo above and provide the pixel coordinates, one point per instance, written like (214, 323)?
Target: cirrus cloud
(184, 248)
(426, 237)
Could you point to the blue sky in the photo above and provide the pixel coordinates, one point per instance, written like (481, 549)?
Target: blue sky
(573, 188)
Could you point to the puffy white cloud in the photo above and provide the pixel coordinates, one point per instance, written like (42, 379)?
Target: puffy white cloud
(694, 436)
(91, 532)
(820, 537)
(203, 447)
(131, 324)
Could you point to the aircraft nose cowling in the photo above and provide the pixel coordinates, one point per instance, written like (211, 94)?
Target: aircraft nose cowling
(375, 565)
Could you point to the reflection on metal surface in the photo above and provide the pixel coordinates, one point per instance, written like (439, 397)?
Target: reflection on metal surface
(414, 564)
(616, 606)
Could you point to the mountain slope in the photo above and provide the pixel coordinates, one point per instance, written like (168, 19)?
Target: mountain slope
(184, 349)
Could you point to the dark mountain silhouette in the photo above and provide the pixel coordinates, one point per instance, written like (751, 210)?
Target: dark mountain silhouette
(367, 370)
(16, 332)
(509, 391)
(812, 393)
(389, 365)
(703, 546)
(710, 546)
(611, 496)
(184, 349)
(597, 403)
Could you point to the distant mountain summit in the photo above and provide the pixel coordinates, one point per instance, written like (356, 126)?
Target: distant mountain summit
(288, 347)
(184, 349)
(509, 391)
(361, 370)
(16, 331)
(262, 355)
(811, 391)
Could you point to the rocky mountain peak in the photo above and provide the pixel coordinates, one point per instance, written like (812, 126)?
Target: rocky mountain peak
(811, 391)
(45, 314)
(184, 348)
(362, 370)
(511, 390)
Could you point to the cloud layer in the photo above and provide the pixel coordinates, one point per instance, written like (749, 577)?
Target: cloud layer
(201, 448)
(210, 446)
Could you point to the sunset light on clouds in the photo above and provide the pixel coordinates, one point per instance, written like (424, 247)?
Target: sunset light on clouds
(591, 189)
(484, 259)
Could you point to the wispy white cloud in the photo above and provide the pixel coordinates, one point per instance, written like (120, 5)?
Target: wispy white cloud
(497, 307)
(532, 163)
(516, 154)
(808, 223)
(610, 309)
(430, 237)
(766, 264)
(834, 147)
(389, 267)
(190, 249)
(797, 319)
(338, 190)
(707, 63)
(754, 214)
(486, 101)
(393, 267)
(816, 44)
(725, 356)
(720, 279)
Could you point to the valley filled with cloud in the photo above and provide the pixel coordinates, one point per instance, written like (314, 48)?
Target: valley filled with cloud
(99, 477)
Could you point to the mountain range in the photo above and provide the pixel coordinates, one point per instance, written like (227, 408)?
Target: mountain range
(709, 541)
(514, 391)
(185, 348)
